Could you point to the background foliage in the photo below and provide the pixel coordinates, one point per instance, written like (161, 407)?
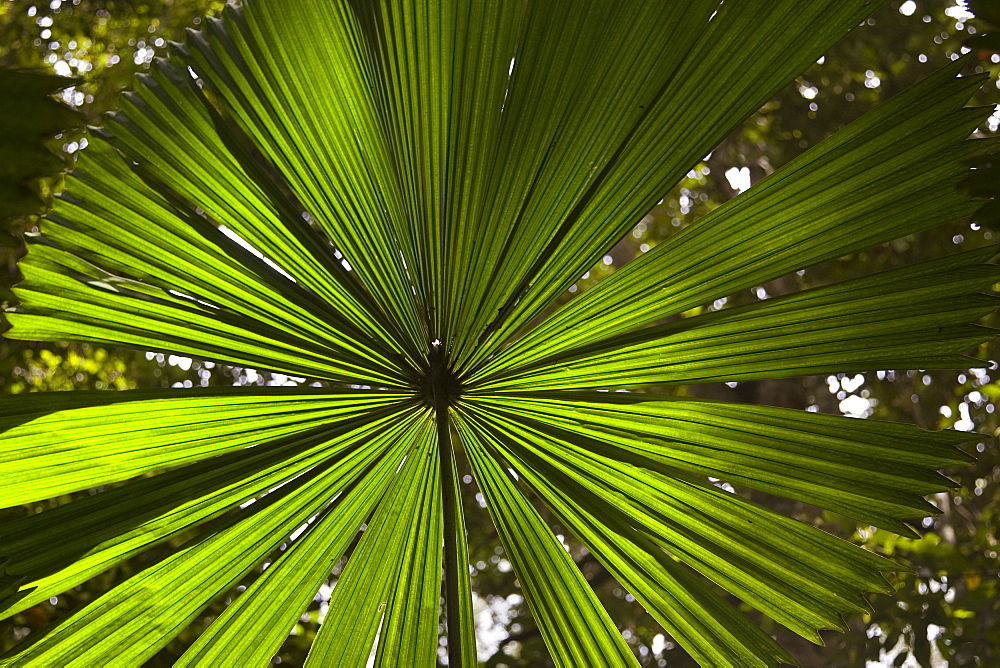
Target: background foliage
(946, 610)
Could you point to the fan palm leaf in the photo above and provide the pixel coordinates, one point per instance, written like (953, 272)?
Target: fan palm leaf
(386, 199)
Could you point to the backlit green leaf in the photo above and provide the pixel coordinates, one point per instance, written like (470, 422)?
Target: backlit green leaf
(382, 202)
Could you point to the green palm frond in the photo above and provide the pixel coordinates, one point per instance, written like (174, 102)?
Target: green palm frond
(385, 200)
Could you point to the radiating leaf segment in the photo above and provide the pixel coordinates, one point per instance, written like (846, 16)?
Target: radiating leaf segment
(388, 210)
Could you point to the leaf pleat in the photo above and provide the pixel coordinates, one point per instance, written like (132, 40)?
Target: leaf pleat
(893, 172)
(688, 608)
(391, 585)
(441, 73)
(98, 531)
(601, 103)
(465, 635)
(252, 629)
(799, 576)
(145, 431)
(309, 109)
(574, 625)
(409, 633)
(130, 623)
(875, 473)
(229, 189)
(608, 107)
(156, 277)
(913, 317)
